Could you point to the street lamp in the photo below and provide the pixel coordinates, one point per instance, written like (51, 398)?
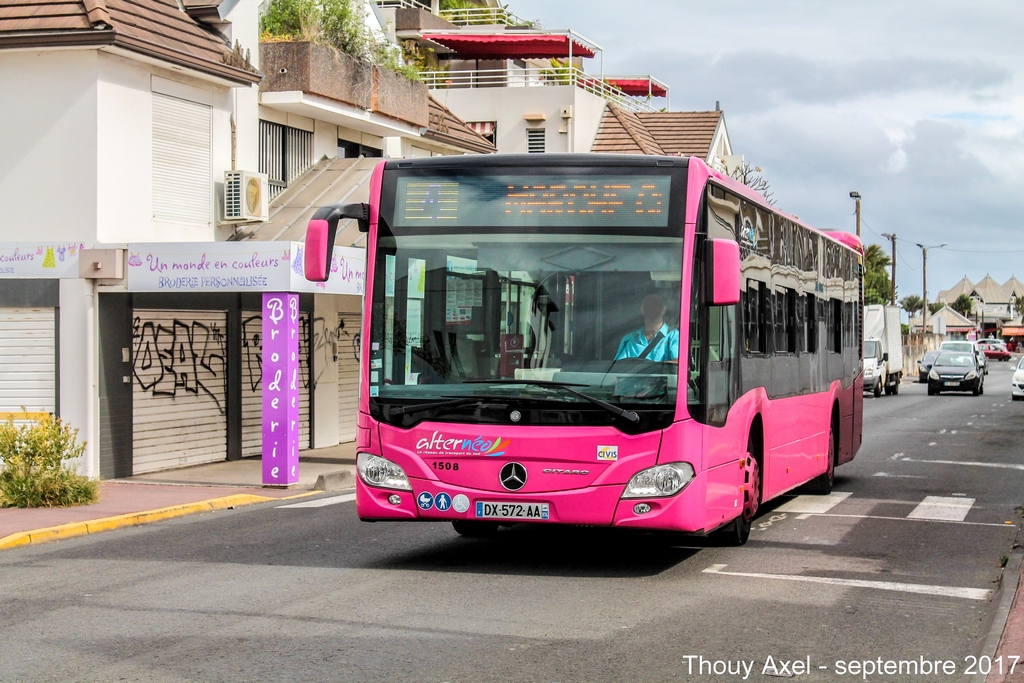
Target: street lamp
(856, 197)
(924, 274)
(892, 238)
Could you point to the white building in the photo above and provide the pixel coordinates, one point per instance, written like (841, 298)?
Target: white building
(121, 122)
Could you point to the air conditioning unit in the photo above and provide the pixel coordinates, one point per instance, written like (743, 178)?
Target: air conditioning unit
(246, 196)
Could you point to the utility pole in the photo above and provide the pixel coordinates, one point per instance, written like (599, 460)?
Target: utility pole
(924, 284)
(856, 197)
(892, 238)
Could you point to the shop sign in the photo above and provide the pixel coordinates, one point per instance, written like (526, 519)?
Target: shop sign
(237, 267)
(280, 389)
(39, 260)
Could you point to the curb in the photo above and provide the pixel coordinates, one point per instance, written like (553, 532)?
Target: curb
(92, 526)
(1009, 580)
(340, 480)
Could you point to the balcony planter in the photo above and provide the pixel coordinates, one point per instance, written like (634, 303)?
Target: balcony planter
(321, 70)
(398, 97)
(318, 70)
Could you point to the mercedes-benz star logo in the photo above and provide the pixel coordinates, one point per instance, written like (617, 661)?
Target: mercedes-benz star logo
(512, 476)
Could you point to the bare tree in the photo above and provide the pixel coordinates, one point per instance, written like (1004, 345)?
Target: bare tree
(752, 178)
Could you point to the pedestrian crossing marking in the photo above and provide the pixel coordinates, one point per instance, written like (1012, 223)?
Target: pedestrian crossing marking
(920, 589)
(321, 502)
(814, 505)
(942, 508)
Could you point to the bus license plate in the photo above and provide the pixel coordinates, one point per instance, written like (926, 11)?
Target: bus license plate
(952, 384)
(503, 510)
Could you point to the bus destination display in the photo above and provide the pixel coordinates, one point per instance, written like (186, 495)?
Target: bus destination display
(468, 201)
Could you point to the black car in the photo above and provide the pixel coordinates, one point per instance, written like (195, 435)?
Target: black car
(924, 366)
(956, 371)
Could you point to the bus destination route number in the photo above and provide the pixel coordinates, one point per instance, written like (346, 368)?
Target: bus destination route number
(498, 510)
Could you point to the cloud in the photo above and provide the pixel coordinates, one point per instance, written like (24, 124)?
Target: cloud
(918, 106)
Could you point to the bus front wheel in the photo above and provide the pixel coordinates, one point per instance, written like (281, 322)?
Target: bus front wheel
(822, 484)
(738, 531)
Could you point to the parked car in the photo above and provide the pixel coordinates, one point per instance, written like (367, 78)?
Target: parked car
(994, 350)
(924, 366)
(956, 371)
(1017, 383)
(965, 347)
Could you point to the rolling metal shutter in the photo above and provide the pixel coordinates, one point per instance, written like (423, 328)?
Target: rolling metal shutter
(349, 328)
(252, 383)
(179, 389)
(182, 166)
(27, 360)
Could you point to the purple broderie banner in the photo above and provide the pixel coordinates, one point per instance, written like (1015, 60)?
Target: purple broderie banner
(280, 389)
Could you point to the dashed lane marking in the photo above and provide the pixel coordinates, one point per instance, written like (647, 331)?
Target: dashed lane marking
(321, 502)
(1004, 465)
(942, 508)
(921, 589)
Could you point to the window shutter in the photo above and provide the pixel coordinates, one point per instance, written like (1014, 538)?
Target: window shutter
(182, 171)
(535, 140)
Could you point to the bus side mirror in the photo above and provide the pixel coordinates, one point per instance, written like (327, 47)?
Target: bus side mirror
(722, 272)
(321, 233)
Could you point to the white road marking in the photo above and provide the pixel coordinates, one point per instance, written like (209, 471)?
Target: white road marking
(921, 589)
(1004, 465)
(942, 508)
(898, 476)
(814, 504)
(321, 502)
(906, 519)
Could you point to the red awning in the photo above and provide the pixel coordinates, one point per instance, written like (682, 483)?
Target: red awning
(1013, 331)
(639, 86)
(513, 46)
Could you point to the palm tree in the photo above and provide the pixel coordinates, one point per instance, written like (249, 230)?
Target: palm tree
(877, 285)
(912, 304)
(963, 305)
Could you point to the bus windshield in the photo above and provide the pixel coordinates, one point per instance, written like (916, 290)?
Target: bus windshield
(503, 306)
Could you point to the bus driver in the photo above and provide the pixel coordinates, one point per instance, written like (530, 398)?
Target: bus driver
(654, 341)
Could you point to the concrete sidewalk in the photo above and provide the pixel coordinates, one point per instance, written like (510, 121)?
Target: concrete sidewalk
(162, 495)
(124, 504)
(1011, 643)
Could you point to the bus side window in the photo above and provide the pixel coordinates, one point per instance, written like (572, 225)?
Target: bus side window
(812, 323)
(719, 370)
(837, 325)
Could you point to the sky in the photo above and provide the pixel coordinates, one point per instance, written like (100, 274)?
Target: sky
(919, 106)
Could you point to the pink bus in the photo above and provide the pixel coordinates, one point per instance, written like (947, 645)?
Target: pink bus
(597, 340)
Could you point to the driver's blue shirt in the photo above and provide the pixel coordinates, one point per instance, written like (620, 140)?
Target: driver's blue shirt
(634, 343)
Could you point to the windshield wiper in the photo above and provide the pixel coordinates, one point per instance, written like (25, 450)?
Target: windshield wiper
(450, 402)
(565, 386)
(395, 411)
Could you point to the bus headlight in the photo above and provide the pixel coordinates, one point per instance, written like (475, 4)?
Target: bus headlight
(381, 472)
(660, 481)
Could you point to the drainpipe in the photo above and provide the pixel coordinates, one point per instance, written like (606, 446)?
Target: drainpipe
(92, 454)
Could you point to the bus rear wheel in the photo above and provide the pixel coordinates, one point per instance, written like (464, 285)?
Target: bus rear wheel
(822, 484)
(475, 529)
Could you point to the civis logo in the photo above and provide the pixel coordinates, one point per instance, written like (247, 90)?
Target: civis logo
(439, 444)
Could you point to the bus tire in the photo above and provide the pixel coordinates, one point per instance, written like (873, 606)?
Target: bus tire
(822, 484)
(475, 529)
(738, 531)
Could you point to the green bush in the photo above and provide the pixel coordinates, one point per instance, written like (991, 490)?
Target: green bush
(34, 465)
(338, 23)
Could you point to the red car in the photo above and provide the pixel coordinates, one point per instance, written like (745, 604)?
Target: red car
(995, 351)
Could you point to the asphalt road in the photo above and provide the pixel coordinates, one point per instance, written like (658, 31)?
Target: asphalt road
(311, 594)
